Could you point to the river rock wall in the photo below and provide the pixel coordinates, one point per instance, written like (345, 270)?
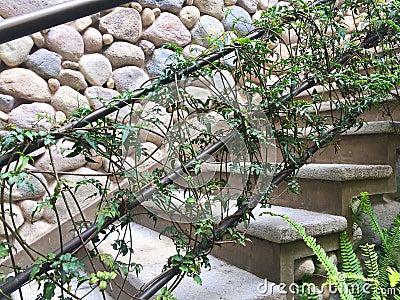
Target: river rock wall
(54, 72)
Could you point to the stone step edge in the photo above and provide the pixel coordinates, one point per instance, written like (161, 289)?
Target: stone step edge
(219, 282)
(344, 172)
(368, 128)
(331, 172)
(277, 230)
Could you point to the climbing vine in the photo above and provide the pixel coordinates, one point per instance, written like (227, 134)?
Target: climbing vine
(209, 144)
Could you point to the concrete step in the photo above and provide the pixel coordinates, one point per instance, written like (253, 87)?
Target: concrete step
(388, 110)
(329, 188)
(374, 143)
(325, 187)
(222, 281)
(276, 249)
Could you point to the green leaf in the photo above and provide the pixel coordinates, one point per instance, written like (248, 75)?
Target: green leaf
(102, 285)
(3, 250)
(197, 279)
(48, 290)
(184, 268)
(34, 271)
(394, 277)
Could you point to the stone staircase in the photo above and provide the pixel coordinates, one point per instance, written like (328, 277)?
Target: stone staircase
(360, 160)
(221, 281)
(276, 258)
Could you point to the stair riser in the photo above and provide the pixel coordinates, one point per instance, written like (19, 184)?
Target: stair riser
(333, 197)
(379, 148)
(361, 149)
(271, 260)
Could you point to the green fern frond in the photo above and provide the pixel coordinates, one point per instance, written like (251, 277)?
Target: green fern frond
(365, 207)
(390, 251)
(351, 267)
(371, 265)
(332, 271)
(350, 263)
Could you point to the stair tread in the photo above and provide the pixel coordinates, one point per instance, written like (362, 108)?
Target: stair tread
(222, 281)
(344, 172)
(370, 127)
(321, 171)
(375, 127)
(277, 230)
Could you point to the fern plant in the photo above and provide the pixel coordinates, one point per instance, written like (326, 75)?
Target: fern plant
(350, 281)
(390, 239)
(350, 264)
(334, 276)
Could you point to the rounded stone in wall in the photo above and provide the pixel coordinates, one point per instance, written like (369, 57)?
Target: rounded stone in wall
(25, 84)
(290, 36)
(68, 100)
(93, 40)
(207, 27)
(62, 163)
(9, 8)
(32, 189)
(70, 65)
(38, 39)
(147, 47)
(249, 5)
(189, 16)
(26, 116)
(53, 84)
(13, 215)
(237, 19)
(173, 6)
(136, 6)
(73, 79)
(7, 103)
(124, 54)
(45, 63)
(31, 232)
(158, 62)
(303, 266)
(213, 8)
(148, 17)
(131, 20)
(108, 39)
(193, 50)
(265, 4)
(96, 68)
(16, 52)
(129, 78)
(66, 41)
(167, 28)
(82, 23)
(30, 210)
(95, 93)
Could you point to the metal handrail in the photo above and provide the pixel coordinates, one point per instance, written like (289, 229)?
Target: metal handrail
(25, 24)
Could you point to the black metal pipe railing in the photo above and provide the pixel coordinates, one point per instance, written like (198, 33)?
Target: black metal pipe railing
(25, 24)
